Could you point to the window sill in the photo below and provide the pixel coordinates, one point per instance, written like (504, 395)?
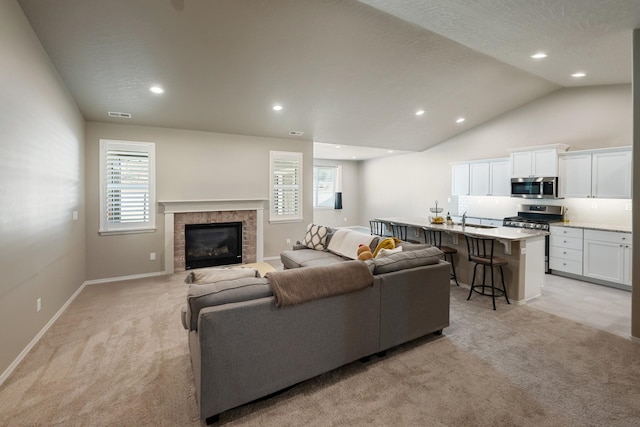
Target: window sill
(130, 231)
(284, 221)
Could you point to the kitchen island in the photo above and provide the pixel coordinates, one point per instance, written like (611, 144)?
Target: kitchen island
(523, 248)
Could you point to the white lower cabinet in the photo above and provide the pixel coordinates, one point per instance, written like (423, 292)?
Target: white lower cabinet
(565, 249)
(607, 256)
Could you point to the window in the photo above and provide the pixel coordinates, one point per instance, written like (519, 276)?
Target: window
(127, 186)
(324, 186)
(286, 186)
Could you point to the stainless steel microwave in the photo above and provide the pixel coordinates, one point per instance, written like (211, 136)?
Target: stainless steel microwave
(535, 187)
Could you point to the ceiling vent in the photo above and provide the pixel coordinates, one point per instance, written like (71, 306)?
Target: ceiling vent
(119, 114)
(295, 133)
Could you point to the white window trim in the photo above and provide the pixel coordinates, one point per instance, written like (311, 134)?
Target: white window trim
(125, 228)
(287, 155)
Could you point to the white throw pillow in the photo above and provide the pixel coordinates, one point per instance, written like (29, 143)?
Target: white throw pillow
(316, 237)
(386, 252)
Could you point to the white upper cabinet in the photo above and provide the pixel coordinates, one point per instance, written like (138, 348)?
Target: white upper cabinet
(536, 162)
(479, 179)
(500, 181)
(460, 179)
(574, 175)
(521, 164)
(611, 174)
(602, 173)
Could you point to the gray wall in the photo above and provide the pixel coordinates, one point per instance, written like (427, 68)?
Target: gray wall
(190, 165)
(584, 118)
(350, 213)
(42, 254)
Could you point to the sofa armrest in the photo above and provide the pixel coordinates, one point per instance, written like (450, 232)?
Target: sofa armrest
(413, 302)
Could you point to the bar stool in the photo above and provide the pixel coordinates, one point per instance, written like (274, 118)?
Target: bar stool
(399, 231)
(434, 237)
(480, 251)
(377, 227)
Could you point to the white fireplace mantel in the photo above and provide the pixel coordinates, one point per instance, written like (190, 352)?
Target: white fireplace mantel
(171, 207)
(179, 206)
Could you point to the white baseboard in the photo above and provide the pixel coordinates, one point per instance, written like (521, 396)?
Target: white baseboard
(37, 338)
(271, 258)
(121, 278)
(631, 337)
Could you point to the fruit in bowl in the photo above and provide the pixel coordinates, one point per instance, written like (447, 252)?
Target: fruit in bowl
(437, 220)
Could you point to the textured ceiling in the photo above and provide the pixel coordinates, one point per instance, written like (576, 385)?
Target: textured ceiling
(345, 72)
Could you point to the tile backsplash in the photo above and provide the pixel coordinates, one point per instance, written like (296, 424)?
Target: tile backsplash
(597, 211)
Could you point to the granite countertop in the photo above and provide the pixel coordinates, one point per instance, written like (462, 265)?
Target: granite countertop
(504, 233)
(593, 226)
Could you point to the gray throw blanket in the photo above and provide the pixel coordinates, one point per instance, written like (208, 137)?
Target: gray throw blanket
(300, 285)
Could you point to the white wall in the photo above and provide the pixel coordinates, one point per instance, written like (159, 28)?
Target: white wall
(583, 118)
(42, 251)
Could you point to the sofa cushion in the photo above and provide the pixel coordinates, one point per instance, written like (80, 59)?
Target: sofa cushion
(297, 258)
(316, 237)
(324, 261)
(345, 242)
(407, 259)
(386, 252)
(406, 246)
(224, 292)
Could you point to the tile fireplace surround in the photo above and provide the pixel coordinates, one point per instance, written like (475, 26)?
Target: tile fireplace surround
(181, 212)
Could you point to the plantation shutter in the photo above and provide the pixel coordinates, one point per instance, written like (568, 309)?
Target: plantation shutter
(286, 186)
(127, 187)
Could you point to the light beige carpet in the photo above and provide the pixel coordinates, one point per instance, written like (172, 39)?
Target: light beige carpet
(118, 356)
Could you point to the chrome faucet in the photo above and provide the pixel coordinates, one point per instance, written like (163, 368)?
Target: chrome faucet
(464, 218)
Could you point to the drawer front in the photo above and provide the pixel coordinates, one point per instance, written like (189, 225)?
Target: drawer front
(566, 232)
(608, 236)
(565, 253)
(565, 242)
(568, 266)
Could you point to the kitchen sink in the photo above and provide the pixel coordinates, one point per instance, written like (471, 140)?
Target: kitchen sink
(477, 225)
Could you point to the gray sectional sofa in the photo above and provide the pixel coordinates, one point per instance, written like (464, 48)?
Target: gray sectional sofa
(244, 347)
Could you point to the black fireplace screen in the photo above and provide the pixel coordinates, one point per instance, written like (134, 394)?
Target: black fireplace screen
(207, 245)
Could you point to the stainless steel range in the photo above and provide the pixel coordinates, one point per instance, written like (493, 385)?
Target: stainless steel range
(536, 217)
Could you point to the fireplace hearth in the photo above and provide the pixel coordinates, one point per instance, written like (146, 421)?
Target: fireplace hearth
(209, 245)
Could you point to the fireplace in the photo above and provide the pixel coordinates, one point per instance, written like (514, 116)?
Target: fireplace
(207, 245)
(178, 213)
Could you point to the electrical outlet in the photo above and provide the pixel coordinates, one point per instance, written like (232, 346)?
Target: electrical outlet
(38, 305)
(627, 206)
(523, 251)
(75, 215)
(594, 205)
(288, 242)
(152, 256)
(345, 219)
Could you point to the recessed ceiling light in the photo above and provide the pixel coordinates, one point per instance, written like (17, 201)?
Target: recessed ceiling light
(156, 89)
(353, 157)
(419, 112)
(277, 107)
(389, 151)
(539, 55)
(337, 146)
(460, 120)
(578, 74)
